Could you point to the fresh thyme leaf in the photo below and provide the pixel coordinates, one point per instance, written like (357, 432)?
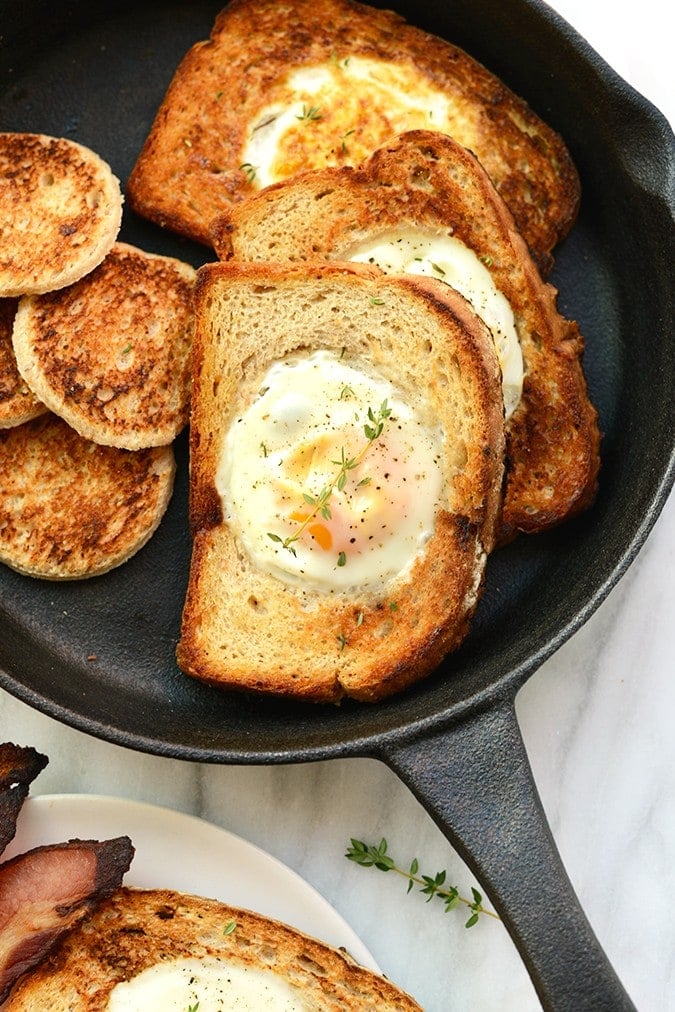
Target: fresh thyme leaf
(229, 927)
(250, 170)
(311, 112)
(376, 856)
(342, 640)
(342, 559)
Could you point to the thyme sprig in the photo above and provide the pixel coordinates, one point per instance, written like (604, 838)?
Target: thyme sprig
(319, 504)
(376, 856)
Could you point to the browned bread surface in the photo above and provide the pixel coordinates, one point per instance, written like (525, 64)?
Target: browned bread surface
(137, 929)
(111, 353)
(194, 163)
(61, 212)
(18, 403)
(245, 629)
(429, 182)
(69, 508)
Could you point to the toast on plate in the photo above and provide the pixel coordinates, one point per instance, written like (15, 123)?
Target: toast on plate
(279, 88)
(347, 443)
(70, 508)
(157, 949)
(18, 403)
(61, 211)
(110, 354)
(424, 204)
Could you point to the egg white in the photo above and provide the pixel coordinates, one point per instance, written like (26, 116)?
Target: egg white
(448, 259)
(288, 446)
(213, 984)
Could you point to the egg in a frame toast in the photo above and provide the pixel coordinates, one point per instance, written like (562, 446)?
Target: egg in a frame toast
(347, 455)
(308, 83)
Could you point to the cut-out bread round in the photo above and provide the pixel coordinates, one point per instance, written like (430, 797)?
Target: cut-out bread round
(246, 629)
(61, 212)
(18, 404)
(111, 354)
(71, 509)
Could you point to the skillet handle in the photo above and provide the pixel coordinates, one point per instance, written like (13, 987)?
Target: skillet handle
(485, 801)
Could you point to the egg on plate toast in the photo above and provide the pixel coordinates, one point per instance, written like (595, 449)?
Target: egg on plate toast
(159, 949)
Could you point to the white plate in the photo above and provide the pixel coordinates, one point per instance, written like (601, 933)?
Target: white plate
(177, 851)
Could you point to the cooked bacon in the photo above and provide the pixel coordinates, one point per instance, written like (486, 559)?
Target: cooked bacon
(19, 766)
(48, 890)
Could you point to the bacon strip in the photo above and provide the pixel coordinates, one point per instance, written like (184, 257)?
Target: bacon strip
(19, 766)
(48, 890)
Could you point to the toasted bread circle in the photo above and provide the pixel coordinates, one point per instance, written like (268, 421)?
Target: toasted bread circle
(71, 509)
(61, 212)
(246, 629)
(135, 930)
(310, 83)
(428, 184)
(18, 403)
(111, 353)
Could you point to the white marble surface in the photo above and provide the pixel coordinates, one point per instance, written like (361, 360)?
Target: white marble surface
(596, 720)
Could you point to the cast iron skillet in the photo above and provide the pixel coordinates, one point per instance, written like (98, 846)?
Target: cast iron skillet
(100, 655)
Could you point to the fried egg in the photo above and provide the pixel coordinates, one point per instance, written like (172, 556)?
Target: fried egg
(210, 984)
(328, 477)
(448, 259)
(337, 113)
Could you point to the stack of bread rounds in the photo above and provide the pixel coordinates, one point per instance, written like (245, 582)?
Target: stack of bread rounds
(95, 345)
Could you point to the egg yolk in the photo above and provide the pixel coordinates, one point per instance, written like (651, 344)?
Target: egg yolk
(328, 477)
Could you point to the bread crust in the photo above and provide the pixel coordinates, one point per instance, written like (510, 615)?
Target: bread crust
(18, 404)
(244, 629)
(427, 181)
(111, 354)
(62, 211)
(191, 165)
(71, 509)
(135, 929)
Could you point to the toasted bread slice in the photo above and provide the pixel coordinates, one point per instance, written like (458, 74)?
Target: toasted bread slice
(18, 403)
(111, 353)
(309, 83)
(180, 941)
(61, 211)
(69, 508)
(415, 193)
(337, 617)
